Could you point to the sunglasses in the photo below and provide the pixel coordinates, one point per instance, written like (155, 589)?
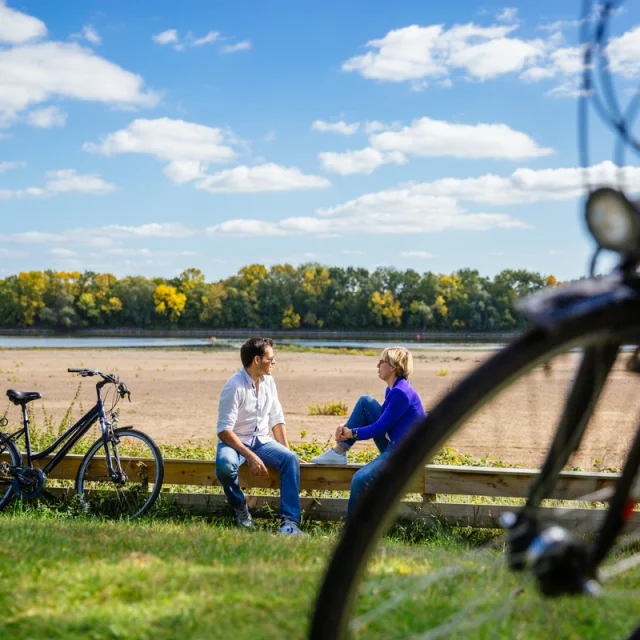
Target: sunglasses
(384, 362)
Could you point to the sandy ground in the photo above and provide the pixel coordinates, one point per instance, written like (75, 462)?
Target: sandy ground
(175, 396)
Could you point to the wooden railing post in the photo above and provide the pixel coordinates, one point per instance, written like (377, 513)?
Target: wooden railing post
(427, 496)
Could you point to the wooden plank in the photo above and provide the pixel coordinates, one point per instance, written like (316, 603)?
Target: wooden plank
(479, 516)
(512, 483)
(439, 479)
(486, 516)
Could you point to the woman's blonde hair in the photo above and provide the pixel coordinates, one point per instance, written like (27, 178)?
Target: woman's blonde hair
(400, 359)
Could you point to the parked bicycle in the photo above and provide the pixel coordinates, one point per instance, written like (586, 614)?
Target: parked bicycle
(120, 475)
(461, 595)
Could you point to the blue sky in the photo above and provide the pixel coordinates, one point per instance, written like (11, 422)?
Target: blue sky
(147, 138)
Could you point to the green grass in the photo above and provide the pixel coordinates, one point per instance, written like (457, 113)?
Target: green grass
(185, 577)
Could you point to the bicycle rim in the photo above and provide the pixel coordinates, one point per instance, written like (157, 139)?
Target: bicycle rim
(133, 495)
(334, 606)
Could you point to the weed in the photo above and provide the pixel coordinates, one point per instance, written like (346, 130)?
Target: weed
(331, 408)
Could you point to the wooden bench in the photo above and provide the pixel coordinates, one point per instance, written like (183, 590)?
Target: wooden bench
(432, 490)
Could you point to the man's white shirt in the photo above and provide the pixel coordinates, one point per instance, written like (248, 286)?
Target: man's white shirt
(248, 414)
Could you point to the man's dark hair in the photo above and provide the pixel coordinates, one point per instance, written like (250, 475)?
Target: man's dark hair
(252, 348)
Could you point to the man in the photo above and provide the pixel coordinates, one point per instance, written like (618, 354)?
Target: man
(249, 407)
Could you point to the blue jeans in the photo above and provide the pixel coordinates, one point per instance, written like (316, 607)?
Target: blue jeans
(274, 455)
(366, 411)
(363, 478)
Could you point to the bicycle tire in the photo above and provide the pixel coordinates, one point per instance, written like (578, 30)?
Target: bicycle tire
(88, 486)
(360, 535)
(8, 446)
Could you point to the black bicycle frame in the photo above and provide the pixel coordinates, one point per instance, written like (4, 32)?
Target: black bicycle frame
(69, 437)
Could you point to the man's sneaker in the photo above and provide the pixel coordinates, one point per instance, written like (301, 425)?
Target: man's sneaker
(243, 517)
(330, 457)
(290, 528)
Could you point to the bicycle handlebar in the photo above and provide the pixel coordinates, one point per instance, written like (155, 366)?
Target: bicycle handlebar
(123, 390)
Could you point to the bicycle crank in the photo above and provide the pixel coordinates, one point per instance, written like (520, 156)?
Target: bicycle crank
(27, 483)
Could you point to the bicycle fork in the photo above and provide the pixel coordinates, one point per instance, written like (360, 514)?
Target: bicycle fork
(560, 560)
(109, 439)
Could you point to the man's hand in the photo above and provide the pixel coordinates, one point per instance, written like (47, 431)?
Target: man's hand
(256, 466)
(339, 432)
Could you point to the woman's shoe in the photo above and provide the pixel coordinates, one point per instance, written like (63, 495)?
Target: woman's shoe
(330, 457)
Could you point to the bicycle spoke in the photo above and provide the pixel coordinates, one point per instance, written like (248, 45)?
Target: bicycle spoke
(462, 620)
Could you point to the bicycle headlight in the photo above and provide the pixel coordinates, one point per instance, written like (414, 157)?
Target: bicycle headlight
(613, 221)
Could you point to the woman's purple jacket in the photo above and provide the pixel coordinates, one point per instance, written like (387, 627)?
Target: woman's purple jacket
(401, 409)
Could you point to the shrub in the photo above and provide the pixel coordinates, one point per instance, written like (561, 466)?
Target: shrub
(331, 408)
(443, 372)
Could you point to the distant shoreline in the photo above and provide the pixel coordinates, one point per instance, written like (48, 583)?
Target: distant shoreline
(417, 335)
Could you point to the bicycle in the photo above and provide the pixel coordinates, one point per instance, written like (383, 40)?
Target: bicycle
(599, 316)
(120, 475)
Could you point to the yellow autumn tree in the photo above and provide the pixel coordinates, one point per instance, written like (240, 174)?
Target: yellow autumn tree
(385, 308)
(169, 300)
(290, 319)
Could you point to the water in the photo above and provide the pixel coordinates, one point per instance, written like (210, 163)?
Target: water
(95, 342)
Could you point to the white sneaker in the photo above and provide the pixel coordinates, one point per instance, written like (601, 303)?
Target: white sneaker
(330, 457)
(290, 528)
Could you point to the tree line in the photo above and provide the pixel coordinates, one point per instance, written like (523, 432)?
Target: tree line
(310, 296)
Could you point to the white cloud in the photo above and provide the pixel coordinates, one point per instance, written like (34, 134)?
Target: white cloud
(508, 14)
(16, 27)
(108, 239)
(170, 36)
(61, 181)
(431, 207)
(340, 127)
(415, 53)
(361, 161)
(212, 36)
(15, 164)
(62, 253)
(167, 139)
(418, 54)
(264, 177)
(151, 230)
(166, 37)
(393, 211)
(245, 45)
(68, 180)
(427, 137)
(526, 186)
(375, 126)
(33, 73)
(181, 171)
(270, 136)
(89, 34)
(415, 254)
(47, 117)
(352, 252)
(624, 53)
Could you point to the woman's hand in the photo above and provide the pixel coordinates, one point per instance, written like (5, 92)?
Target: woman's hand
(343, 434)
(339, 431)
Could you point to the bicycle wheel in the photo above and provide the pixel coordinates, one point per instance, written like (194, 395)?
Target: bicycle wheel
(9, 456)
(426, 595)
(135, 492)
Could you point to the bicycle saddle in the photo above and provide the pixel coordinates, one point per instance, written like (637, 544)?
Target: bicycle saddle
(22, 397)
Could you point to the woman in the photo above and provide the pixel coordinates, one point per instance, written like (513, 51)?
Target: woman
(385, 424)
